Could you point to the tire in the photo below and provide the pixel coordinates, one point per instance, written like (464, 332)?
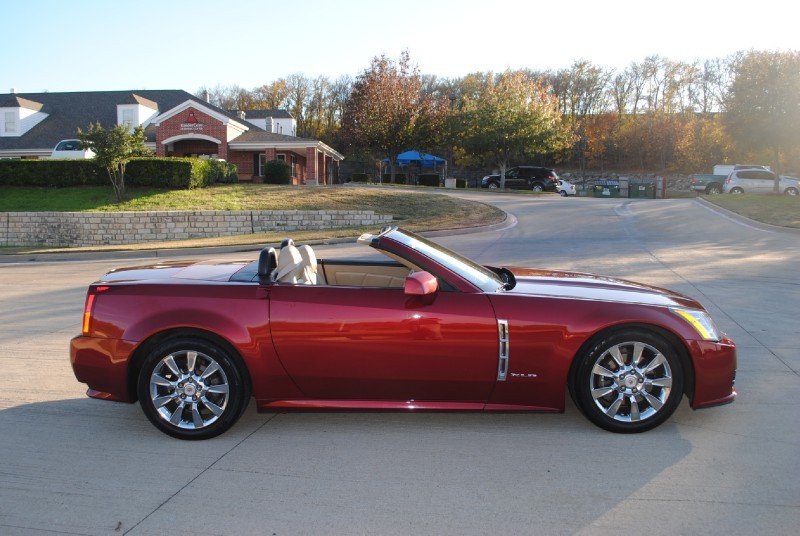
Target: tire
(737, 190)
(494, 185)
(714, 189)
(790, 191)
(563, 193)
(622, 393)
(536, 187)
(191, 389)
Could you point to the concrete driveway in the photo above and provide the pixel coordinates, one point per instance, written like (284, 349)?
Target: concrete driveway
(71, 465)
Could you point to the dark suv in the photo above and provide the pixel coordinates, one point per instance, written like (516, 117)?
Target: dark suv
(538, 179)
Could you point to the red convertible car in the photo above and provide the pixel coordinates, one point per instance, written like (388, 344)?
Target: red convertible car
(425, 329)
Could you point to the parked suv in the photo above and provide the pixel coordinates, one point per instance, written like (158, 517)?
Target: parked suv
(538, 179)
(758, 181)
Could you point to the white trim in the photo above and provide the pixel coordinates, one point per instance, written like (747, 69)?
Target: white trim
(284, 145)
(182, 107)
(190, 136)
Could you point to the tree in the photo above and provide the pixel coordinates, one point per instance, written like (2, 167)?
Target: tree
(113, 149)
(388, 111)
(514, 117)
(763, 104)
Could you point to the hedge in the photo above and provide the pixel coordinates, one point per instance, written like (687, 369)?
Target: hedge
(360, 177)
(428, 179)
(173, 173)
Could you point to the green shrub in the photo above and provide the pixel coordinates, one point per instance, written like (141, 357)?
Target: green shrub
(428, 179)
(277, 172)
(399, 178)
(173, 173)
(360, 177)
(52, 173)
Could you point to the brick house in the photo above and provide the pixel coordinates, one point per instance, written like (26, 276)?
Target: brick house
(176, 124)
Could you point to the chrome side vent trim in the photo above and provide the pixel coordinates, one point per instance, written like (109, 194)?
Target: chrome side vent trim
(502, 335)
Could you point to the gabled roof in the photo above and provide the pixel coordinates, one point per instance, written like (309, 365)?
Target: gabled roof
(263, 114)
(73, 110)
(15, 101)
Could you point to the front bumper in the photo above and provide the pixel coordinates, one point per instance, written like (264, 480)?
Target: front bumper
(715, 373)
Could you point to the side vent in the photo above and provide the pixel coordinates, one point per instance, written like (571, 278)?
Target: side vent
(502, 365)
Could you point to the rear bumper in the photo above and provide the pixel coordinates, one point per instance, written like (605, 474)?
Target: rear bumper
(102, 364)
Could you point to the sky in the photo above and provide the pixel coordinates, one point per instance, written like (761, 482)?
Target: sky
(93, 45)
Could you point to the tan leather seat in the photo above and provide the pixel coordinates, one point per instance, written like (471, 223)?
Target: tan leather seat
(290, 265)
(308, 275)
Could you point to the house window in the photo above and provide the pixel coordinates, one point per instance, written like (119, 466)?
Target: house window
(281, 157)
(128, 118)
(10, 122)
(262, 160)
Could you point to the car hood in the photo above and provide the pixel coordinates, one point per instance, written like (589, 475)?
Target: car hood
(576, 285)
(187, 270)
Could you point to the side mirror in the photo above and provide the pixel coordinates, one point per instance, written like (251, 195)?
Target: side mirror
(420, 284)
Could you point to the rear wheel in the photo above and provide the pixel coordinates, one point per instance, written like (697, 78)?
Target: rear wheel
(494, 185)
(630, 381)
(790, 191)
(563, 193)
(537, 187)
(714, 189)
(191, 389)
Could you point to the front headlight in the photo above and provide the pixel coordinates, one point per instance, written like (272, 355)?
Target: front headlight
(701, 322)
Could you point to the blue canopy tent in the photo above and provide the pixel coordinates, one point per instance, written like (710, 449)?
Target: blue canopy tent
(424, 160)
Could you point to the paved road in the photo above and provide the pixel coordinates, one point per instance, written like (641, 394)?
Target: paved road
(71, 465)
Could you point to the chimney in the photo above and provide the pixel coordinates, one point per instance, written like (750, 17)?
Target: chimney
(241, 114)
(206, 96)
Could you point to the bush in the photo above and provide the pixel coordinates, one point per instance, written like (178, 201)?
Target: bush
(277, 172)
(399, 178)
(174, 173)
(429, 179)
(360, 177)
(52, 173)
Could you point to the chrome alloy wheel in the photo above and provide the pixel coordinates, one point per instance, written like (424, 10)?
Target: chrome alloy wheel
(630, 381)
(189, 389)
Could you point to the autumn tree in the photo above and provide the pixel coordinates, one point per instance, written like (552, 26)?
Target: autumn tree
(513, 117)
(113, 149)
(763, 104)
(388, 112)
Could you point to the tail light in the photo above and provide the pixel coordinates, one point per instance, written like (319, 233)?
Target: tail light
(91, 298)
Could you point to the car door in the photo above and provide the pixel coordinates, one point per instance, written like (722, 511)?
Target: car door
(358, 343)
(514, 178)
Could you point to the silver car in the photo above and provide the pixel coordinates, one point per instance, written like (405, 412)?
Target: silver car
(759, 181)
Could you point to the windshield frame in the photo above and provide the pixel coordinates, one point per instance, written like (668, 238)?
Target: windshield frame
(475, 274)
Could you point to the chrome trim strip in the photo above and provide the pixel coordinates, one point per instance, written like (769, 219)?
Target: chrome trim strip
(502, 335)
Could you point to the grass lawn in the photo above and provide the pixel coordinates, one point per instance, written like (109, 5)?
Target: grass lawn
(411, 209)
(781, 210)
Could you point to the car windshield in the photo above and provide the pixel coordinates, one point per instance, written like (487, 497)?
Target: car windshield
(478, 275)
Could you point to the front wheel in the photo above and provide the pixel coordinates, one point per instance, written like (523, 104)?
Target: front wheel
(791, 191)
(494, 185)
(628, 382)
(537, 187)
(191, 389)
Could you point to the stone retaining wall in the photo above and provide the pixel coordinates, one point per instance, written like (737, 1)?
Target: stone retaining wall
(75, 229)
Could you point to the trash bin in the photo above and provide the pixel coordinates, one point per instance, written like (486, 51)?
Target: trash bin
(606, 189)
(642, 191)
